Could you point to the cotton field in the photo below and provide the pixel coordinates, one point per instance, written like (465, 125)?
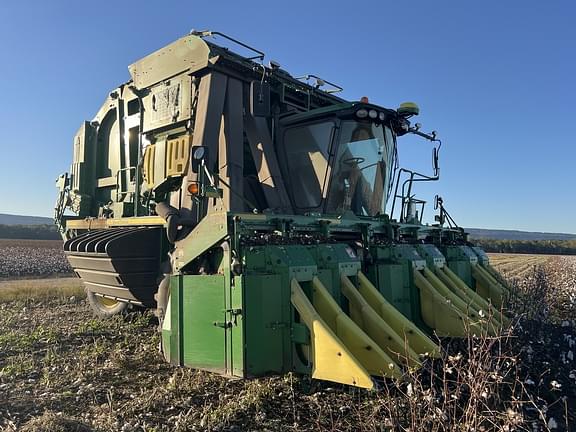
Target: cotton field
(27, 258)
(60, 369)
(563, 271)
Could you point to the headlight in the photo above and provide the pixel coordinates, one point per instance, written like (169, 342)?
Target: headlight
(362, 113)
(381, 116)
(373, 114)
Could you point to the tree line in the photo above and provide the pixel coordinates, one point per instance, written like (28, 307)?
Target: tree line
(25, 232)
(549, 247)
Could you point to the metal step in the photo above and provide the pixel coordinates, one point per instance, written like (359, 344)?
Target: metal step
(118, 262)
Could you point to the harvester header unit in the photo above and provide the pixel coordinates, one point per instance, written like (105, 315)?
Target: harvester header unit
(248, 208)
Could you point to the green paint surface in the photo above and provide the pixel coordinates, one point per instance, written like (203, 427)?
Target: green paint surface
(265, 330)
(203, 322)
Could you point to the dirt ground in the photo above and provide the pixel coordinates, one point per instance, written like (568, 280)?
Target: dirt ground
(63, 370)
(60, 368)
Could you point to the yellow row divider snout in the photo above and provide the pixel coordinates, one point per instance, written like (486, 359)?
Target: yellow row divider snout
(467, 309)
(452, 280)
(494, 279)
(440, 314)
(331, 361)
(465, 301)
(417, 340)
(362, 346)
(339, 350)
(487, 287)
(374, 326)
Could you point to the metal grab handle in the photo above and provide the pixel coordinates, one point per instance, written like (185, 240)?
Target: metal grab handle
(208, 33)
(321, 81)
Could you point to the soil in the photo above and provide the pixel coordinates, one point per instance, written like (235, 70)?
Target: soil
(63, 370)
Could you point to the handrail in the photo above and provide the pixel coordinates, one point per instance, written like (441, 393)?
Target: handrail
(208, 33)
(320, 82)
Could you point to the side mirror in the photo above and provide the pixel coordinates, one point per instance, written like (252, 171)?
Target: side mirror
(199, 154)
(435, 165)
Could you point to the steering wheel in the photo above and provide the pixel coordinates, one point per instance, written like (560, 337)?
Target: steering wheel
(353, 161)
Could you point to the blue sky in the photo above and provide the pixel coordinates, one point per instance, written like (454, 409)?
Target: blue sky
(496, 79)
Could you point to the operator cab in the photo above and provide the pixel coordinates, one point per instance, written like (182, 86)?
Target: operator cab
(338, 159)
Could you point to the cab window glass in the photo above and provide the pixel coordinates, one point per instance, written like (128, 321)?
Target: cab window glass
(307, 150)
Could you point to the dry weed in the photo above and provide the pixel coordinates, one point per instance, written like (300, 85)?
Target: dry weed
(109, 375)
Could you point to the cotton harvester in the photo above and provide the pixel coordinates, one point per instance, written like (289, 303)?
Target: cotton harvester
(247, 207)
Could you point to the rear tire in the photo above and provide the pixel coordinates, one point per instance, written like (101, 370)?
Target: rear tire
(104, 307)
